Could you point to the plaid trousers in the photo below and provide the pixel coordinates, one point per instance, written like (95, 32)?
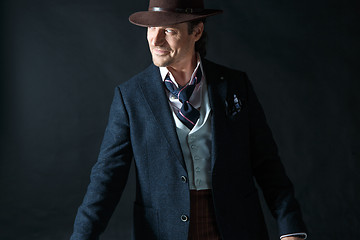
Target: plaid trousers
(202, 216)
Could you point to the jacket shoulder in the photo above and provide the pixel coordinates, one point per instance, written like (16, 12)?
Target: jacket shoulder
(149, 73)
(217, 73)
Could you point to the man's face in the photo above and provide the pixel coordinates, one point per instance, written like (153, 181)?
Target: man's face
(171, 46)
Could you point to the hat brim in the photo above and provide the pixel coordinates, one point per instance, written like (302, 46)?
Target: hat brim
(159, 18)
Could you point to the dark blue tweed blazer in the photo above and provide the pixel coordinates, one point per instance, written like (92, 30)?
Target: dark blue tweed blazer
(141, 127)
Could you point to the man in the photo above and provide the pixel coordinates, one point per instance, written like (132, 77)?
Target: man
(198, 136)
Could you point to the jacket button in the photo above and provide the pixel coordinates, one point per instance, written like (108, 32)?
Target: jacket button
(183, 179)
(184, 218)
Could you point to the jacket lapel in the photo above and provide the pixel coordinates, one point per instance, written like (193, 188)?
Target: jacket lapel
(217, 88)
(154, 94)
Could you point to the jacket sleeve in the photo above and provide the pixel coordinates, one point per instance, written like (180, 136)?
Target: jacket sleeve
(108, 176)
(269, 171)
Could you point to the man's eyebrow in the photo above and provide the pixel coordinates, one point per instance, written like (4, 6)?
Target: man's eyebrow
(171, 26)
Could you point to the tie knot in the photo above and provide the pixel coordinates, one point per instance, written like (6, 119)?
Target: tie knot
(187, 113)
(183, 93)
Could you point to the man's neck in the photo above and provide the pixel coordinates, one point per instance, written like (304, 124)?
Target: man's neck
(182, 72)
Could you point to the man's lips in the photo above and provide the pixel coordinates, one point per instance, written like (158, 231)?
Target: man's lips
(160, 51)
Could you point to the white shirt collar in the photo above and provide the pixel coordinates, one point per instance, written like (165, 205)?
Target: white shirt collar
(164, 71)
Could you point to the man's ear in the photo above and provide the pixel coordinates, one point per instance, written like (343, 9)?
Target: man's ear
(198, 31)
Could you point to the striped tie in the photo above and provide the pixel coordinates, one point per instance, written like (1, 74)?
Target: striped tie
(187, 114)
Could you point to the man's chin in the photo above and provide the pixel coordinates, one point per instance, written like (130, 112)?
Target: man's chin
(160, 65)
(159, 62)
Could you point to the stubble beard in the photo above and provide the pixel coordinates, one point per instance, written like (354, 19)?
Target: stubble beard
(160, 61)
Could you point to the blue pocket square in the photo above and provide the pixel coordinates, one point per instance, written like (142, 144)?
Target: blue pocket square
(233, 106)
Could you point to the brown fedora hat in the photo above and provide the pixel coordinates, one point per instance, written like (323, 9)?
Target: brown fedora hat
(170, 12)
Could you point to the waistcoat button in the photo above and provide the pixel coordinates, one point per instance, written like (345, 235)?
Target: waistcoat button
(193, 147)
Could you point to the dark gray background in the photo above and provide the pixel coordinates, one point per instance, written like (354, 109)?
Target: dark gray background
(61, 60)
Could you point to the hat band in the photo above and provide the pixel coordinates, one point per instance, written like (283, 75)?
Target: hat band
(176, 10)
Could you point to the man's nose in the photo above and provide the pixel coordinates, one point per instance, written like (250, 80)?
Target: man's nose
(158, 37)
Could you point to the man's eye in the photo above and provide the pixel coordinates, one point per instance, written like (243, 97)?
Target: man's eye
(169, 31)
